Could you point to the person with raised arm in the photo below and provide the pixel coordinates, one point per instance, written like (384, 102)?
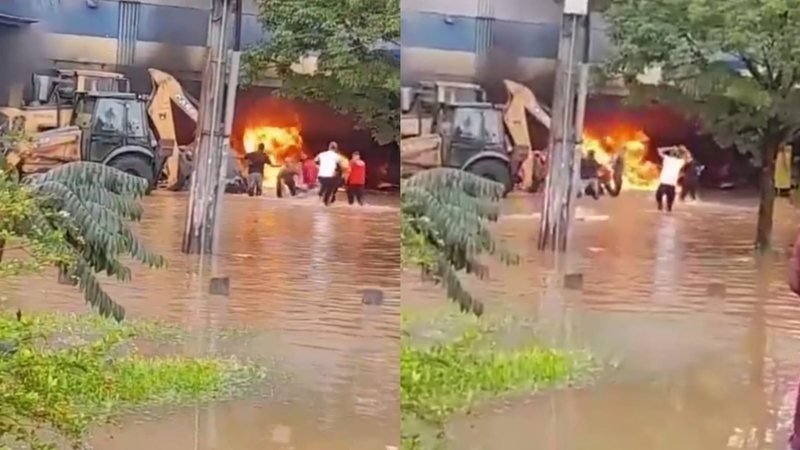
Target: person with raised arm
(673, 159)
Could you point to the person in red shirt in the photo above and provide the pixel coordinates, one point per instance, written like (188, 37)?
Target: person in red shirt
(309, 172)
(356, 179)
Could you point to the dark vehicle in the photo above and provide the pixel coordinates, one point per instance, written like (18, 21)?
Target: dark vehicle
(110, 128)
(452, 125)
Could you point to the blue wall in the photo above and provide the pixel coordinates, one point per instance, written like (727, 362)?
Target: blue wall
(158, 23)
(437, 31)
(188, 26)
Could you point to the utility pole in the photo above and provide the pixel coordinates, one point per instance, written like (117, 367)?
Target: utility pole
(214, 127)
(566, 129)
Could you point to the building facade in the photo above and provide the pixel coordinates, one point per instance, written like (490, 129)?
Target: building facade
(476, 40)
(114, 35)
(104, 34)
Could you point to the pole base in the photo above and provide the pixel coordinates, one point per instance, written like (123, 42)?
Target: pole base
(716, 289)
(372, 297)
(220, 286)
(573, 281)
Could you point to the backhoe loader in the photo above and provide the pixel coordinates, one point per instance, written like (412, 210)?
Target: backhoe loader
(131, 132)
(453, 125)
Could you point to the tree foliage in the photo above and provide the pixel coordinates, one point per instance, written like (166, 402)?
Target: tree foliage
(355, 73)
(732, 64)
(74, 217)
(445, 220)
(694, 43)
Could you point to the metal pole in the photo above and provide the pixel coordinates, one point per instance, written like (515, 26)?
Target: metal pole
(237, 36)
(201, 228)
(565, 134)
(206, 235)
(230, 110)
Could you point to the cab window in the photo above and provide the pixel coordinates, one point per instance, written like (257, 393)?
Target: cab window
(109, 117)
(135, 122)
(468, 123)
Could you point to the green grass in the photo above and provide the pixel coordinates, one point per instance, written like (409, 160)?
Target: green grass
(71, 372)
(55, 325)
(443, 378)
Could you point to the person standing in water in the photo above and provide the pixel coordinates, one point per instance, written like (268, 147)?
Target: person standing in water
(589, 172)
(329, 163)
(356, 179)
(673, 160)
(255, 170)
(618, 169)
(783, 171)
(691, 178)
(288, 171)
(309, 173)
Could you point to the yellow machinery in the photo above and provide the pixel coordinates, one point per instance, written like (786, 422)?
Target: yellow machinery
(134, 133)
(166, 91)
(453, 125)
(54, 96)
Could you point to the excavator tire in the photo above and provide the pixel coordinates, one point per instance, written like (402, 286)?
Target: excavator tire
(136, 165)
(495, 170)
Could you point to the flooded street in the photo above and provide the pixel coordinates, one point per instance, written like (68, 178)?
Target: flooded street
(704, 338)
(296, 272)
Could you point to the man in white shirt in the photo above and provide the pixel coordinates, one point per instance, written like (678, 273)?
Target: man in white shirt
(328, 162)
(673, 160)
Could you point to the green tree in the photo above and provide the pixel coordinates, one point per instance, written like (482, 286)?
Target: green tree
(693, 43)
(355, 74)
(74, 217)
(445, 220)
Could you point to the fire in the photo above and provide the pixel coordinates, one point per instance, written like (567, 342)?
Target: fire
(279, 142)
(639, 172)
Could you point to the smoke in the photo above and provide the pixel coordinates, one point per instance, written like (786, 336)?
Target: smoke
(494, 66)
(21, 53)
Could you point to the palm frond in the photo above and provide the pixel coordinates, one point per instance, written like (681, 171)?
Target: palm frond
(93, 204)
(88, 174)
(449, 212)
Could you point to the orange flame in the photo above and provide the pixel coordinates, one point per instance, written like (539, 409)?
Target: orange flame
(280, 143)
(639, 173)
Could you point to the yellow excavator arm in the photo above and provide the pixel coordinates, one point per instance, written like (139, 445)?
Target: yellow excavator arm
(520, 100)
(166, 91)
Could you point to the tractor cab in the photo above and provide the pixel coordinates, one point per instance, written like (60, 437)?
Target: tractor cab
(111, 123)
(453, 125)
(469, 129)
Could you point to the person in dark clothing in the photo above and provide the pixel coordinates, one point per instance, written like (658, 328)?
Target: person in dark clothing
(589, 176)
(337, 182)
(618, 167)
(690, 180)
(288, 171)
(255, 170)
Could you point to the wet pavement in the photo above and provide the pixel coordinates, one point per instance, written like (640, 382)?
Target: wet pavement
(296, 270)
(705, 337)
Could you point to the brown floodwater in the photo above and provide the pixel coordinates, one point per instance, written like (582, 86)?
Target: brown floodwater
(705, 338)
(296, 269)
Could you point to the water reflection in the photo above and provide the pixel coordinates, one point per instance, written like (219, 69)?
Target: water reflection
(706, 336)
(296, 269)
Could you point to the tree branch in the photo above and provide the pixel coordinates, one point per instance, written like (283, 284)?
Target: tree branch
(753, 69)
